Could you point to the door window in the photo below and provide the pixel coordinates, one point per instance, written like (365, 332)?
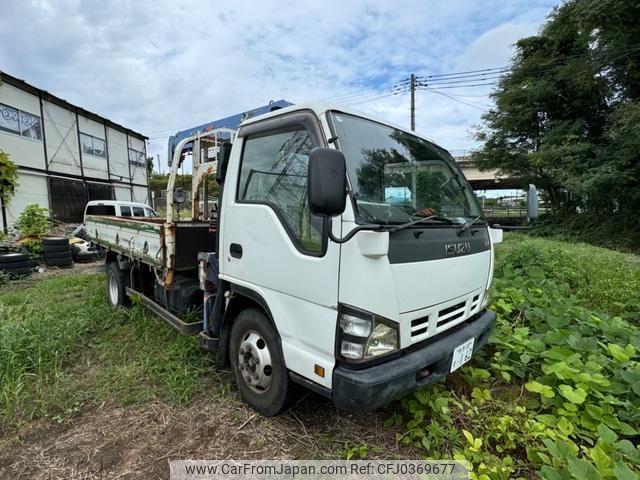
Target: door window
(138, 211)
(125, 211)
(274, 172)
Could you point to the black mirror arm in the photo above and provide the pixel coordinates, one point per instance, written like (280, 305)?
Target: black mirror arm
(352, 233)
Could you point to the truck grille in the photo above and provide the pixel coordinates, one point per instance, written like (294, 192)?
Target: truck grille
(441, 317)
(419, 326)
(451, 313)
(474, 302)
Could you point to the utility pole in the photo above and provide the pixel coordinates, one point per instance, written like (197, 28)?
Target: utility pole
(413, 102)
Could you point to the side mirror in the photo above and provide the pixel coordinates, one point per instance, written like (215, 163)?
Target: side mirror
(223, 161)
(327, 177)
(179, 196)
(532, 202)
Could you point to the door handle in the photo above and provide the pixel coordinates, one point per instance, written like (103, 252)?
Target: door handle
(235, 249)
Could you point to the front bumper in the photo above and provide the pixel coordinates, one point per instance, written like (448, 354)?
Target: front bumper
(370, 388)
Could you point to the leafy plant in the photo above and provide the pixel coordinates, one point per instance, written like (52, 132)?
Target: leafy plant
(34, 220)
(33, 246)
(8, 177)
(557, 391)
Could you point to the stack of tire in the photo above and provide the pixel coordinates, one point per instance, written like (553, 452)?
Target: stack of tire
(56, 252)
(15, 264)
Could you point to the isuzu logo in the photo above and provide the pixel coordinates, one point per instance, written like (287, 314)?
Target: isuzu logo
(455, 249)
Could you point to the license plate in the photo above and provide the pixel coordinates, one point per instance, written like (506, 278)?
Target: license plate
(462, 354)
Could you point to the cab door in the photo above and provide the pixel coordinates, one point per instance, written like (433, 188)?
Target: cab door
(272, 245)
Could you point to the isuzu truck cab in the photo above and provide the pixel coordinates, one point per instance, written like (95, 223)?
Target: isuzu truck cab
(347, 255)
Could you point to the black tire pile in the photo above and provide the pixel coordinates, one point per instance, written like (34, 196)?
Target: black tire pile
(56, 252)
(16, 264)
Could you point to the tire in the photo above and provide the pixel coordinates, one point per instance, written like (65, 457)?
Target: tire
(55, 248)
(54, 241)
(19, 272)
(57, 255)
(116, 286)
(60, 262)
(14, 265)
(257, 363)
(13, 257)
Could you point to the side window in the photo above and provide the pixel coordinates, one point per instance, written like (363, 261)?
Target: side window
(138, 211)
(274, 172)
(125, 211)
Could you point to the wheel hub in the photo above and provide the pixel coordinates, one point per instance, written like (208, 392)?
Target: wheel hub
(113, 289)
(254, 362)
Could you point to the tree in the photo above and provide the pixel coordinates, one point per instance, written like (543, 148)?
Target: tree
(8, 178)
(564, 114)
(149, 166)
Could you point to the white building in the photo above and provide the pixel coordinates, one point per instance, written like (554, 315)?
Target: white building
(66, 155)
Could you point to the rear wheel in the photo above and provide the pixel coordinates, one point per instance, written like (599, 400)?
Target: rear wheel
(116, 286)
(257, 362)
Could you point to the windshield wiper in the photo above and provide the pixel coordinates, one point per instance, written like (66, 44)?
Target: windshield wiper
(467, 225)
(431, 218)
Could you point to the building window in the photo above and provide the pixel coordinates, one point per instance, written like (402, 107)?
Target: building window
(21, 123)
(136, 158)
(93, 145)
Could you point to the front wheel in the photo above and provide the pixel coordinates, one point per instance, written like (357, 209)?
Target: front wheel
(257, 362)
(117, 286)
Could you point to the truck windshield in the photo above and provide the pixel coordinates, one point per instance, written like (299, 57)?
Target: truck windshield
(397, 177)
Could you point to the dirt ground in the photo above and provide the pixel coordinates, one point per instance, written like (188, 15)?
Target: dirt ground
(138, 442)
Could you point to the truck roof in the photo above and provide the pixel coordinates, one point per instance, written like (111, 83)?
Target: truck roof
(320, 108)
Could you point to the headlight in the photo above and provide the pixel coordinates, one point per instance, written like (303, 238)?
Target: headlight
(384, 339)
(363, 335)
(352, 325)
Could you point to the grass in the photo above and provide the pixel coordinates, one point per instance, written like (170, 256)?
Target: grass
(618, 231)
(599, 278)
(63, 348)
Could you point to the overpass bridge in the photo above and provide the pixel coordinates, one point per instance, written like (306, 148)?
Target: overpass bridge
(485, 179)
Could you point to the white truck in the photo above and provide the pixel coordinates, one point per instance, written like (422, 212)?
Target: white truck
(347, 255)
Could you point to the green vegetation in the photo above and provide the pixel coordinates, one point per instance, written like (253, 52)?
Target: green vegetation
(558, 389)
(62, 348)
(619, 232)
(557, 392)
(34, 220)
(8, 178)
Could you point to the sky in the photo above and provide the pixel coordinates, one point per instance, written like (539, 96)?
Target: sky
(162, 66)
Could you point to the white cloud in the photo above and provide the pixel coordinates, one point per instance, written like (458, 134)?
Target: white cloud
(160, 66)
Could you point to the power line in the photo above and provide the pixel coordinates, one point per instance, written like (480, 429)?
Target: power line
(464, 73)
(371, 99)
(458, 82)
(456, 99)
